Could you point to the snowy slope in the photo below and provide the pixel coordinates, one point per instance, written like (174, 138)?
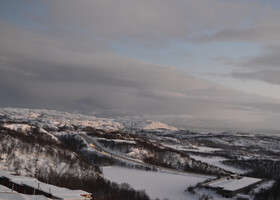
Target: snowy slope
(55, 119)
(143, 124)
(153, 125)
(18, 127)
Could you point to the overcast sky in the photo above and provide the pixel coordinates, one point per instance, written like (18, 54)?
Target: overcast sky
(191, 63)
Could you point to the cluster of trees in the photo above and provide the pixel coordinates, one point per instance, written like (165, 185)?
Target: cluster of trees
(34, 135)
(261, 168)
(37, 151)
(272, 193)
(168, 157)
(100, 188)
(163, 156)
(78, 145)
(265, 169)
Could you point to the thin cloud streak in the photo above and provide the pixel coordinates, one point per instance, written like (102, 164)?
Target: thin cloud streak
(264, 67)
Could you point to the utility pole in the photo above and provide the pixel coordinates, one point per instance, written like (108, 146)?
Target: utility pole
(131, 126)
(34, 189)
(36, 169)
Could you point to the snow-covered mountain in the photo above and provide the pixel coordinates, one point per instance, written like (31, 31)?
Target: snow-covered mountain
(152, 125)
(144, 124)
(55, 119)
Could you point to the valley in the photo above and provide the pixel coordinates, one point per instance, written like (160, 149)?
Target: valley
(157, 160)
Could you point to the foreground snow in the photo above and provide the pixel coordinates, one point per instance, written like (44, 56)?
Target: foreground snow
(156, 184)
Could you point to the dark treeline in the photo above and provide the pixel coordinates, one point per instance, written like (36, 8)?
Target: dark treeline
(100, 188)
(272, 193)
(260, 168)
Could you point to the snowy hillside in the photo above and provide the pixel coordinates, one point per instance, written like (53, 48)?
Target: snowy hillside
(59, 146)
(31, 151)
(140, 124)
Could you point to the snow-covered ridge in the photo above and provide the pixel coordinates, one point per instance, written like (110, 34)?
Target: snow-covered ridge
(56, 119)
(18, 127)
(152, 125)
(144, 124)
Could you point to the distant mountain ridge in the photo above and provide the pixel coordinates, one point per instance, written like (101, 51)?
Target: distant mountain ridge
(57, 119)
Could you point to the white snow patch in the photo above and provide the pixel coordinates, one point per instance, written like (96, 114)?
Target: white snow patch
(46, 132)
(143, 124)
(201, 149)
(216, 161)
(205, 149)
(55, 119)
(156, 184)
(152, 125)
(137, 153)
(18, 127)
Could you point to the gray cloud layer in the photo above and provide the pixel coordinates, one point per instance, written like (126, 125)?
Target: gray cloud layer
(162, 20)
(264, 67)
(71, 66)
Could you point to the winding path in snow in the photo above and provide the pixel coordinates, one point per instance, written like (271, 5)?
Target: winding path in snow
(104, 151)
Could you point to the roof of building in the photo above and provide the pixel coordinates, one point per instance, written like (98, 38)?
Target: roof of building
(18, 196)
(234, 184)
(59, 192)
(5, 174)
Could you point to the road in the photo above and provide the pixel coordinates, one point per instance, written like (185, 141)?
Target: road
(104, 151)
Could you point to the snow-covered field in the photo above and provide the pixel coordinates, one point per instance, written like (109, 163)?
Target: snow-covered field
(156, 184)
(216, 161)
(205, 149)
(201, 149)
